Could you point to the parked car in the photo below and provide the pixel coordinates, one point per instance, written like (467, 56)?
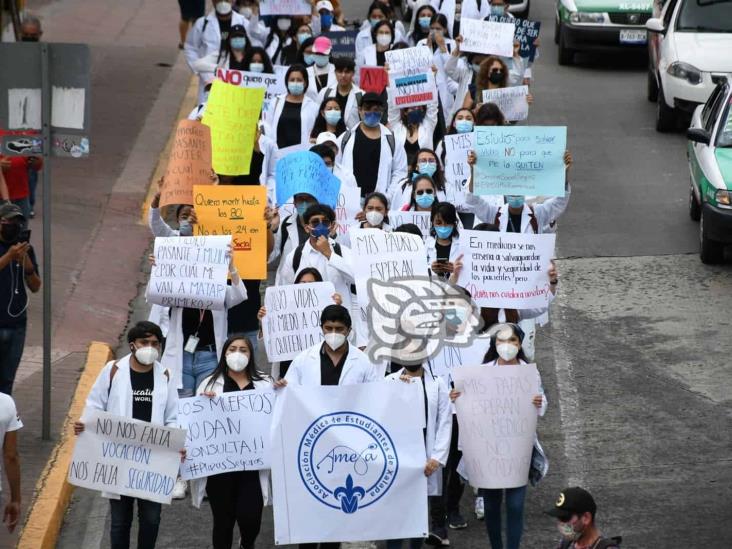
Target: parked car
(689, 52)
(709, 152)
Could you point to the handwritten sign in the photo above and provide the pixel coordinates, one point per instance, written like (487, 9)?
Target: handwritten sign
(232, 113)
(285, 7)
(305, 172)
(189, 163)
(521, 160)
(273, 84)
(487, 37)
(410, 60)
(526, 32)
(410, 90)
(347, 206)
(457, 170)
(292, 323)
(190, 272)
(506, 270)
(343, 43)
(512, 101)
(452, 356)
(373, 79)
(125, 456)
(229, 432)
(421, 219)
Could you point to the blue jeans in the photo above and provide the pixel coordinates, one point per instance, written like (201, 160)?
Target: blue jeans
(196, 367)
(32, 184)
(414, 543)
(12, 341)
(252, 336)
(514, 516)
(148, 515)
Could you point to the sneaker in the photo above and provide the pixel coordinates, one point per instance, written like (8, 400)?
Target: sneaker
(456, 521)
(179, 490)
(479, 509)
(438, 537)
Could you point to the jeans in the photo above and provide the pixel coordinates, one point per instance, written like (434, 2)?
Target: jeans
(235, 498)
(452, 484)
(514, 515)
(196, 367)
(12, 341)
(252, 336)
(414, 543)
(148, 515)
(32, 184)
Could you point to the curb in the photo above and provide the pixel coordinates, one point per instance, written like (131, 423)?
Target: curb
(53, 493)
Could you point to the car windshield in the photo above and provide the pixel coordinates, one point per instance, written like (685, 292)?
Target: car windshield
(705, 16)
(725, 136)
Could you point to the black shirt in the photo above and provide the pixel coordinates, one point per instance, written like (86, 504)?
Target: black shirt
(366, 155)
(380, 58)
(230, 385)
(255, 171)
(12, 278)
(442, 252)
(330, 374)
(342, 100)
(288, 127)
(142, 391)
(243, 317)
(514, 223)
(411, 149)
(193, 322)
(225, 27)
(321, 80)
(237, 65)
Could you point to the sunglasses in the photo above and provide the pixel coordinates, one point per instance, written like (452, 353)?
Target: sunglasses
(424, 191)
(313, 223)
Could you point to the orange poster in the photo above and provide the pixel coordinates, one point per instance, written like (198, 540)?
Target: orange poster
(189, 163)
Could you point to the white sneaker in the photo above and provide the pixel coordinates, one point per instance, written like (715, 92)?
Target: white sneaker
(479, 509)
(180, 488)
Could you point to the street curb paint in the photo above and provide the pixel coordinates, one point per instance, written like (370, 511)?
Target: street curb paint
(53, 493)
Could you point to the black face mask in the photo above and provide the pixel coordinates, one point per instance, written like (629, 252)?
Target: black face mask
(10, 232)
(495, 77)
(413, 368)
(30, 38)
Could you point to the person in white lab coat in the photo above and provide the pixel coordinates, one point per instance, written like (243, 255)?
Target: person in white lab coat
(413, 127)
(323, 19)
(424, 163)
(322, 72)
(293, 113)
(345, 92)
(378, 11)
(374, 55)
(443, 244)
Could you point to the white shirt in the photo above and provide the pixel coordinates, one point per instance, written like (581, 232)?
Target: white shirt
(9, 421)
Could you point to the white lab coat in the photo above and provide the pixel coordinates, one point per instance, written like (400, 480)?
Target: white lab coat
(367, 58)
(312, 91)
(401, 194)
(430, 243)
(439, 423)
(470, 9)
(305, 368)
(159, 314)
(274, 45)
(198, 486)
(308, 113)
(426, 131)
(257, 31)
(363, 38)
(458, 70)
(280, 251)
(350, 116)
(446, 86)
(269, 149)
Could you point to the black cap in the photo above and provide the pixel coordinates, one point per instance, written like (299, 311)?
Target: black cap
(10, 211)
(373, 98)
(237, 30)
(573, 501)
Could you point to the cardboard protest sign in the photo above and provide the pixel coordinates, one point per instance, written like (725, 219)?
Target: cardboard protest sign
(411, 90)
(347, 206)
(409, 60)
(497, 422)
(373, 79)
(189, 271)
(526, 32)
(457, 170)
(453, 356)
(343, 43)
(126, 456)
(522, 160)
(345, 459)
(274, 84)
(421, 219)
(305, 172)
(285, 7)
(236, 210)
(228, 432)
(512, 101)
(232, 114)
(292, 323)
(506, 270)
(487, 37)
(189, 163)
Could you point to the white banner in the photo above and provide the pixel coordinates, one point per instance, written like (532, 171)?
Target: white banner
(512, 101)
(421, 219)
(457, 170)
(125, 456)
(292, 323)
(506, 270)
(487, 37)
(274, 84)
(497, 423)
(348, 460)
(285, 7)
(190, 271)
(228, 432)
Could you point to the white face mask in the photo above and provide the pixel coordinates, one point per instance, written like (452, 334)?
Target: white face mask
(374, 218)
(223, 8)
(146, 355)
(507, 351)
(284, 24)
(383, 39)
(237, 361)
(334, 341)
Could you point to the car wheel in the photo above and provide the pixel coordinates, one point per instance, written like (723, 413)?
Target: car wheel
(556, 30)
(665, 115)
(694, 207)
(710, 252)
(565, 56)
(652, 86)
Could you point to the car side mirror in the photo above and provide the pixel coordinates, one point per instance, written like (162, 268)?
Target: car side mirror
(655, 25)
(698, 135)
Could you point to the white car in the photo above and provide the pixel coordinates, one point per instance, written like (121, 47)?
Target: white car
(690, 51)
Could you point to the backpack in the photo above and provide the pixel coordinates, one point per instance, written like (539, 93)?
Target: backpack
(602, 543)
(297, 258)
(533, 222)
(389, 139)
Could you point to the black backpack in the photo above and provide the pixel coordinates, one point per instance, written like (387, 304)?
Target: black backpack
(602, 543)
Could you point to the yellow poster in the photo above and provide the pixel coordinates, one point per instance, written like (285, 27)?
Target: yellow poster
(232, 114)
(237, 210)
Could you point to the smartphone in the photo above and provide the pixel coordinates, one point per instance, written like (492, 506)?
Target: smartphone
(443, 260)
(24, 235)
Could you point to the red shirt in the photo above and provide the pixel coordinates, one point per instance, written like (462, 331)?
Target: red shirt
(16, 177)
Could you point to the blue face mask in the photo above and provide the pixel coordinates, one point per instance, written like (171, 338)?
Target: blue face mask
(326, 20)
(427, 168)
(444, 232)
(374, 22)
(302, 208)
(415, 117)
(302, 37)
(425, 200)
(308, 58)
(464, 126)
(256, 67)
(497, 10)
(296, 88)
(321, 230)
(455, 316)
(372, 119)
(515, 201)
(321, 60)
(238, 43)
(332, 117)
(424, 22)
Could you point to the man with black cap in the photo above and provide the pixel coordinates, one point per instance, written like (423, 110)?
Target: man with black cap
(18, 269)
(575, 510)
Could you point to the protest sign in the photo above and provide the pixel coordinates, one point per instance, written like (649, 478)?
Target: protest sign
(521, 160)
(487, 37)
(347, 206)
(452, 356)
(232, 113)
(421, 219)
(343, 43)
(273, 84)
(497, 423)
(228, 432)
(373, 79)
(410, 60)
(345, 458)
(525, 31)
(512, 101)
(125, 456)
(285, 7)
(189, 163)
(506, 270)
(189, 271)
(411, 90)
(305, 172)
(457, 170)
(236, 210)
(292, 323)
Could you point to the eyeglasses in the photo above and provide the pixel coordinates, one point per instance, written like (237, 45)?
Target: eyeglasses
(315, 221)
(429, 161)
(424, 191)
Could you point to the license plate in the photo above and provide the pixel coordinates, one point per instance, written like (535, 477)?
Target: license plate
(633, 36)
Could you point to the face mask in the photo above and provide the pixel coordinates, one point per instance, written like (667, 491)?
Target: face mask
(296, 88)
(146, 355)
(456, 317)
(425, 200)
(444, 232)
(223, 8)
(383, 39)
(412, 368)
(424, 22)
(374, 22)
(237, 361)
(284, 24)
(238, 43)
(476, 67)
(29, 39)
(497, 10)
(308, 59)
(302, 208)
(246, 12)
(427, 168)
(321, 230)
(256, 67)
(374, 218)
(415, 117)
(326, 20)
(372, 119)
(515, 201)
(321, 60)
(302, 37)
(334, 341)
(185, 228)
(10, 232)
(332, 117)
(568, 532)
(495, 77)
(507, 351)
(464, 126)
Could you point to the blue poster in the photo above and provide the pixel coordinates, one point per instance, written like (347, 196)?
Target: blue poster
(526, 33)
(520, 160)
(343, 43)
(305, 172)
